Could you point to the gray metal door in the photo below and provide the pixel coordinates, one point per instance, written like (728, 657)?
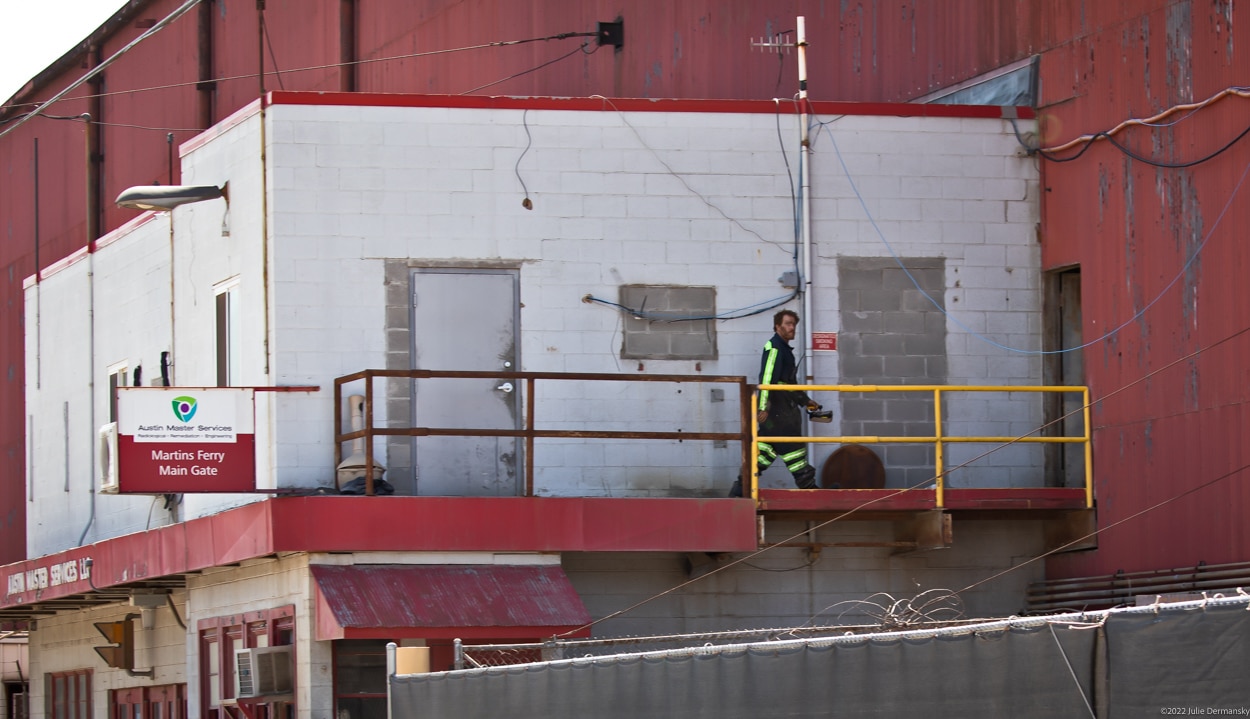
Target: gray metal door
(466, 320)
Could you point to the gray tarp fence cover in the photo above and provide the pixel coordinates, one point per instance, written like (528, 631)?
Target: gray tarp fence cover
(1117, 663)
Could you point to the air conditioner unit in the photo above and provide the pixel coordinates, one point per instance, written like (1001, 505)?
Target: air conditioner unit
(262, 671)
(108, 458)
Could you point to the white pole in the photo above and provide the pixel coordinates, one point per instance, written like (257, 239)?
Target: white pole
(805, 195)
(805, 220)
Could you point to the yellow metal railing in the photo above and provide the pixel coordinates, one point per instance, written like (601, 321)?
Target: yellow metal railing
(939, 438)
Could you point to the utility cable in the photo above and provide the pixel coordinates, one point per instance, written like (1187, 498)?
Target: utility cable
(1149, 122)
(711, 205)
(748, 311)
(1178, 165)
(742, 312)
(1113, 525)
(161, 25)
(46, 116)
(272, 58)
(527, 203)
(571, 53)
(309, 68)
(1143, 159)
(1104, 398)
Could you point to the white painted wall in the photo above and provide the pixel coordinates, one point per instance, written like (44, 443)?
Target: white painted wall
(99, 310)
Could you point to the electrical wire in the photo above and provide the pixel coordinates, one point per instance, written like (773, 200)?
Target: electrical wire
(804, 565)
(642, 314)
(1192, 107)
(711, 205)
(309, 68)
(1048, 155)
(1177, 165)
(741, 312)
(148, 127)
(84, 116)
(1113, 525)
(160, 25)
(527, 203)
(960, 324)
(272, 58)
(281, 85)
(571, 53)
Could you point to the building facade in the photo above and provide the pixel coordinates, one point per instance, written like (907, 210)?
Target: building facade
(376, 232)
(1136, 289)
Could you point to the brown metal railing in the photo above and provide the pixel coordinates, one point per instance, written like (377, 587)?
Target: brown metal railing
(528, 431)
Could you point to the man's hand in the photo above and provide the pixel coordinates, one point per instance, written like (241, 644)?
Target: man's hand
(813, 407)
(761, 416)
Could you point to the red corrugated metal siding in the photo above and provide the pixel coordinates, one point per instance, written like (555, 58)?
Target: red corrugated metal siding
(866, 51)
(300, 34)
(137, 121)
(235, 49)
(1131, 228)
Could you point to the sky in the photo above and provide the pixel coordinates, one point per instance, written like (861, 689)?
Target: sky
(34, 33)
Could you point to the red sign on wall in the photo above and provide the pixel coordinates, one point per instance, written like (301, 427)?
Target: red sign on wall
(174, 440)
(825, 341)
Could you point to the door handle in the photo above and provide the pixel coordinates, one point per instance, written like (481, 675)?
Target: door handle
(506, 387)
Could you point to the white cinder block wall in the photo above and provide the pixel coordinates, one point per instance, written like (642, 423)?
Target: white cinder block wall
(697, 199)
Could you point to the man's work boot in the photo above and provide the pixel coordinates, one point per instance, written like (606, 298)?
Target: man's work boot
(736, 490)
(806, 478)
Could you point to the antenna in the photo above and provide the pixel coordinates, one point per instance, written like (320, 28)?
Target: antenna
(778, 44)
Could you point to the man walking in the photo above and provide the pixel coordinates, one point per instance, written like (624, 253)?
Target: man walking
(780, 412)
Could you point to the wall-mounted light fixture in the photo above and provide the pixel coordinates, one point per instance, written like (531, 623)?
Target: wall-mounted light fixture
(167, 197)
(164, 198)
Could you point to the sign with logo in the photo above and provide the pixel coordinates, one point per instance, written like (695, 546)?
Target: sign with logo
(174, 440)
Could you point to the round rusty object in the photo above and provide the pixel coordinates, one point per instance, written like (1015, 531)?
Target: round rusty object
(853, 466)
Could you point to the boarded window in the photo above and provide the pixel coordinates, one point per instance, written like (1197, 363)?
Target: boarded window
(669, 322)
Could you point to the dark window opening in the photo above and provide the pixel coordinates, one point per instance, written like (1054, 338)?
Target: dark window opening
(1063, 365)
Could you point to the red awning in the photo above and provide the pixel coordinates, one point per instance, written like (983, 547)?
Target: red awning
(398, 601)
